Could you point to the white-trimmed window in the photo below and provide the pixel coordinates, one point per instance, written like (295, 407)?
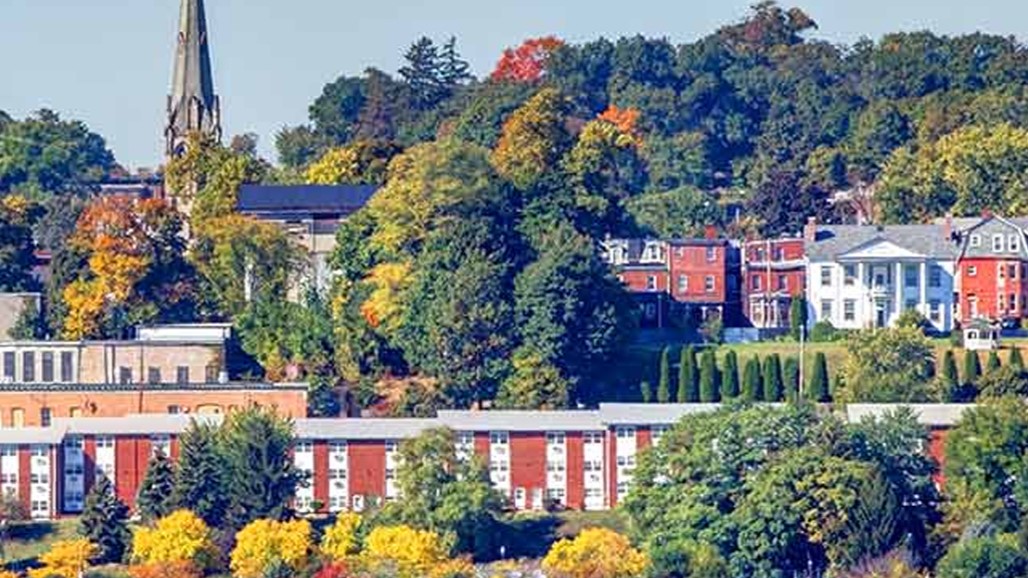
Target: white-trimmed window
(849, 309)
(997, 243)
(651, 282)
(935, 276)
(826, 309)
(972, 271)
(976, 240)
(826, 275)
(708, 284)
(1013, 243)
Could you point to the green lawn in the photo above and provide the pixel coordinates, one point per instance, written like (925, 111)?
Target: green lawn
(25, 541)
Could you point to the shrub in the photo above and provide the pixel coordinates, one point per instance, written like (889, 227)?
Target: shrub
(595, 553)
(730, 376)
(263, 543)
(179, 569)
(986, 557)
(818, 388)
(411, 552)
(823, 331)
(713, 330)
(178, 537)
(341, 539)
(65, 559)
(709, 391)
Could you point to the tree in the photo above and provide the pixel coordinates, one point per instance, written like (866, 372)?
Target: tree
(17, 218)
(1005, 381)
(992, 363)
(1015, 359)
(772, 378)
(533, 139)
(341, 540)
(264, 544)
(452, 70)
(887, 366)
(664, 381)
(950, 378)
(360, 162)
(420, 74)
(646, 393)
(752, 387)
(818, 390)
(730, 376)
(408, 551)
(797, 316)
(154, 499)
(66, 559)
(688, 377)
(527, 62)
(791, 378)
(595, 553)
(683, 212)
(181, 536)
(972, 367)
(984, 557)
(709, 392)
(260, 477)
(446, 494)
(104, 522)
(534, 384)
(200, 475)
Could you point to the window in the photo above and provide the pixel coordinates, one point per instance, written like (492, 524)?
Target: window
(683, 283)
(1001, 271)
(44, 416)
(8, 451)
(174, 409)
(711, 254)
(153, 375)
(48, 367)
(210, 374)
(124, 375)
(997, 243)
(777, 252)
(555, 438)
(849, 310)
(849, 275)
(9, 479)
(759, 255)
(976, 240)
(304, 447)
(826, 309)
(972, 271)
(755, 283)
(18, 417)
(934, 311)
(910, 304)
(9, 371)
(935, 276)
(336, 474)
(594, 437)
(1013, 243)
(826, 275)
(40, 478)
(708, 284)
(104, 442)
(67, 371)
(498, 437)
(1012, 271)
(182, 374)
(651, 283)
(28, 366)
(783, 283)
(910, 275)
(625, 432)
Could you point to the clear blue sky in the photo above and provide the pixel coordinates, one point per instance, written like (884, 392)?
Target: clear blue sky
(108, 62)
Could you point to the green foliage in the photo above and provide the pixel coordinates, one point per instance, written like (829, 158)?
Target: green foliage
(887, 366)
(104, 522)
(730, 376)
(823, 331)
(535, 383)
(1015, 361)
(709, 392)
(713, 330)
(817, 388)
(752, 383)
(772, 379)
(646, 393)
(984, 557)
(950, 378)
(664, 380)
(797, 316)
(155, 499)
(679, 213)
(688, 376)
(972, 367)
(992, 363)
(200, 474)
(791, 378)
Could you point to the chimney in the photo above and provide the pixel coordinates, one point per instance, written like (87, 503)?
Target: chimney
(947, 227)
(710, 232)
(810, 230)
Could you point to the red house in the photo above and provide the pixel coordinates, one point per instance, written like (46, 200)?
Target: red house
(773, 272)
(992, 270)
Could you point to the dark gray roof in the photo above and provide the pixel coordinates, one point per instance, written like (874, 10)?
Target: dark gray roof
(570, 420)
(286, 199)
(983, 232)
(362, 428)
(831, 241)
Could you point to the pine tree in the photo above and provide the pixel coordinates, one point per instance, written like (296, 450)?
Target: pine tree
(1015, 360)
(452, 70)
(199, 479)
(421, 73)
(791, 378)
(664, 378)
(688, 380)
(818, 388)
(752, 388)
(105, 522)
(646, 391)
(155, 499)
(992, 363)
(709, 392)
(950, 378)
(772, 378)
(972, 367)
(730, 376)
(797, 316)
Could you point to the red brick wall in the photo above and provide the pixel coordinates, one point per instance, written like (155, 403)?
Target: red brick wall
(482, 445)
(612, 468)
(88, 463)
(25, 476)
(528, 463)
(937, 450)
(131, 456)
(643, 440)
(367, 462)
(987, 286)
(320, 480)
(575, 474)
(691, 261)
(635, 280)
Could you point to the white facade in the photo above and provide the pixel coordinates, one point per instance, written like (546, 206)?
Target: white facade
(105, 458)
(499, 461)
(556, 467)
(338, 476)
(872, 286)
(594, 480)
(392, 458)
(303, 460)
(625, 448)
(39, 490)
(9, 468)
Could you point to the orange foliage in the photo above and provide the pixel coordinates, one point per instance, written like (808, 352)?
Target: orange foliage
(625, 119)
(179, 569)
(527, 62)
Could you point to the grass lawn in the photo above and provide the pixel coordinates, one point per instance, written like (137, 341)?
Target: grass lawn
(25, 541)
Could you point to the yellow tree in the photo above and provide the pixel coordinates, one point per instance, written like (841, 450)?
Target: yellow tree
(262, 543)
(361, 162)
(533, 139)
(595, 553)
(178, 537)
(65, 559)
(340, 541)
(412, 553)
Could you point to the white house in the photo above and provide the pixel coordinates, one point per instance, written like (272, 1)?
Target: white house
(861, 276)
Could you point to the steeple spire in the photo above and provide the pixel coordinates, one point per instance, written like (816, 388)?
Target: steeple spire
(192, 105)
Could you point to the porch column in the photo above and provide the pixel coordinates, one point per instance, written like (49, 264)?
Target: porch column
(899, 288)
(864, 292)
(923, 305)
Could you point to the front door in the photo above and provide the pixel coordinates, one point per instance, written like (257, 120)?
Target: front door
(880, 320)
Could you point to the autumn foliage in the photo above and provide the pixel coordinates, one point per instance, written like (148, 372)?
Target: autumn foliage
(527, 62)
(179, 569)
(262, 543)
(340, 541)
(625, 119)
(595, 553)
(178, 537)
(66, 559)
(410, 552)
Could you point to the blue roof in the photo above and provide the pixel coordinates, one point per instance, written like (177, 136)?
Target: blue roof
(303, 198)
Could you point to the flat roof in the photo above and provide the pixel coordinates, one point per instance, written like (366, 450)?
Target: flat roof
(162, 387)
(359, 428)
(514, 420)
(651, 413)
(52, 435)
(134, 424)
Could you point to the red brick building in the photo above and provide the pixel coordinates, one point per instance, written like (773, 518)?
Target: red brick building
(773, 273)
(992, 270)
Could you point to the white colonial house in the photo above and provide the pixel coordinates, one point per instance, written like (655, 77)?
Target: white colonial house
(861, 276)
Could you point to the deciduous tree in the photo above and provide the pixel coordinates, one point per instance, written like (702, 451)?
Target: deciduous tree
(595, 553)
(527, 62)
(181, 536)
(263, 544)
(533, 139)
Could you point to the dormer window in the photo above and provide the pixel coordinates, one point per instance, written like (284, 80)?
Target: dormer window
(1013, 244)
(997, 243)
(976, 241)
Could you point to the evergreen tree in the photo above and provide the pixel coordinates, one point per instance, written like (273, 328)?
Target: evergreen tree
(709, 392)
(752, 388)
(200, 475)
(420, 74)
(772, 378)
(664, 379)
(992, 363)
(818, 389)
(797, 316)
(105, 522)
(452, 70)
(950, 378)
(972, 367)
(646, 391)
(730, 376)
(155, 498)
(688, 380)
(1015, 360)
(791, 378)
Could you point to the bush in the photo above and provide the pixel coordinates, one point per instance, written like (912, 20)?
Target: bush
(912, 318)
(818, 389)
(1002, 382)
(595, 553)
(713, 330)
(823, 331)
(986, 557)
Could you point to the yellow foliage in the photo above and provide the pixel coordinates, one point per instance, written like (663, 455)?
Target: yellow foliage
(595, 553)
(263, 542)
(339, 165)
(412, 553)
(382, 307)
(178, 537)
(532, 139)
(66, 559)
(8, 574)
(456, 568)
(85, 301)
(340, 539)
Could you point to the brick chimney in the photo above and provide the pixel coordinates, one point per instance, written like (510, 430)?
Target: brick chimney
(710, 232)
(810, 230)
(947, 227)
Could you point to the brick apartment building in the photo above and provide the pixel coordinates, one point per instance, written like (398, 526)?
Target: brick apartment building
(992, 268)
(580, 459)
(773, 273)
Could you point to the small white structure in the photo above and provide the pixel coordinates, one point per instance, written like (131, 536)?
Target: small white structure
(185, 332)
(980, 335)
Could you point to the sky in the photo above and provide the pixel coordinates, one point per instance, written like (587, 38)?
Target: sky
(108, 62)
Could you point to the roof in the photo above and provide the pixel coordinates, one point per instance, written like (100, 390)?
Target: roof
(832, 241)
(650, 413)
(134, 424)
(288, 199)
(570, 420)
(32, 435)
(163, 387)
(362, 428)
(929, 414)
(983, 232)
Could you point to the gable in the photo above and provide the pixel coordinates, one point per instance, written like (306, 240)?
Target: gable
(879, 248)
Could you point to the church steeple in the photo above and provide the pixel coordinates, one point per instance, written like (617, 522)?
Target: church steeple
(192, 105)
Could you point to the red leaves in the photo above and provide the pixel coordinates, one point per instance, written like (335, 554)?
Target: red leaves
(527, 62)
